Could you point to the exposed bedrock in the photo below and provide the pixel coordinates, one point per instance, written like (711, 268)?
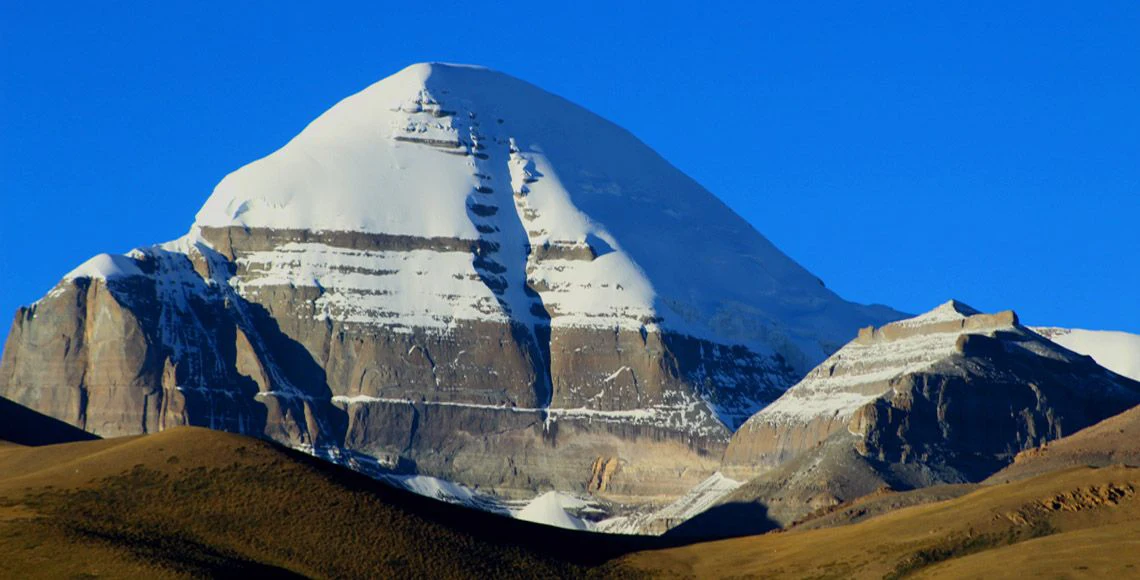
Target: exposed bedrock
(632, 415)
(951, 396)
(981, 410)
(515, 452)
(133, 355)
(82, 357)
(766, 446)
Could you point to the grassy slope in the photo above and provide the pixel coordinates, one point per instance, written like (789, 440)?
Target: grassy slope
(197, 502)
(877, 504)
(192, 502)
(1109, 551)
(1061, 508)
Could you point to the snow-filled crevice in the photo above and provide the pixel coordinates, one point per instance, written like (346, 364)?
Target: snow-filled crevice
(503, 253)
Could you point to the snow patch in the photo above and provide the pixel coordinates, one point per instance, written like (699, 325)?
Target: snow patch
(682, 415)
(860, 372)
(1116, 351)
(946, 312)
(105, 267)
(616, 374)
(698, 499)
(550, 509)
(443, 490)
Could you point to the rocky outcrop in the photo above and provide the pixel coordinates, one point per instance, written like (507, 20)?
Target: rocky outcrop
(1003, 394)
(93, 365)
(952, 380)
(601, 472)
(947, 397)
(120, 355)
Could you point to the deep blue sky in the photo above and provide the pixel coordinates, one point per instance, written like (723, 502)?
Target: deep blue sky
(905, 155)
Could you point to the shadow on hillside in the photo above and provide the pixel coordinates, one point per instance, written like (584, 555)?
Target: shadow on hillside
(185, 555)
(291, 369)
(728, 520)
(23, 426)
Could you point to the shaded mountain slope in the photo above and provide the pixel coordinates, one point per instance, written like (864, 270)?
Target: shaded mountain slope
(954, 389)
(23, 426)
(824, 480)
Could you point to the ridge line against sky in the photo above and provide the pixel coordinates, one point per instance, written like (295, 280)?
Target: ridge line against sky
(904, 155)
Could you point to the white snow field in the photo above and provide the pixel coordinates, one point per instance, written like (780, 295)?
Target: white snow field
(1116, 351)
(418, 152)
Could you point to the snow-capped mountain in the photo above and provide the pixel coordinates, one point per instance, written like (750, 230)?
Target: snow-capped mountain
(453, 273)
(604, 231)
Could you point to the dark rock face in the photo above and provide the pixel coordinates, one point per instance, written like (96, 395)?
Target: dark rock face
(976, 412)
(1114, 441)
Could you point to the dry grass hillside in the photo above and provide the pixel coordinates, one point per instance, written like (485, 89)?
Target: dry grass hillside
(877, 504)
(193, 502)
(1079, 522)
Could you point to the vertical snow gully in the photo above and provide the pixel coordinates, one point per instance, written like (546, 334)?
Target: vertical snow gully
(503, 250)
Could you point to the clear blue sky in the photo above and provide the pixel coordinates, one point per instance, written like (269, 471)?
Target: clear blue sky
(905, 155)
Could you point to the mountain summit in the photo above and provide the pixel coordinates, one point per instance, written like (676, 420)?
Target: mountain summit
(607, 231)
(451, 273)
